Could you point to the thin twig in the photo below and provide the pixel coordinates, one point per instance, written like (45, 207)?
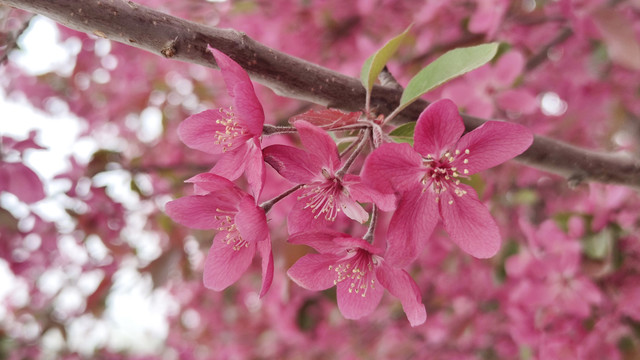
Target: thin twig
(543, 54)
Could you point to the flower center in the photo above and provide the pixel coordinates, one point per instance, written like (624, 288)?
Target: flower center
(232, 129)
(443, 176)
(358, 268)
(322, 197)
(228, 225)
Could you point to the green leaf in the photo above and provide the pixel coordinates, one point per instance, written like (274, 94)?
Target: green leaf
(599, 245)
(448, 66)
(374, 64)
(404, 133)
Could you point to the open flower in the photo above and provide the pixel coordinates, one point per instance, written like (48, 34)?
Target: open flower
(427, 178)
(359, 272)
(323, 195)
(234, 132)
(242, 229)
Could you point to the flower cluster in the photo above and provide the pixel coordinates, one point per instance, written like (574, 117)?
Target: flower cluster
(340, 192)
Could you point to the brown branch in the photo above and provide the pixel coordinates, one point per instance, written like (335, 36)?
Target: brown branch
(175, 38)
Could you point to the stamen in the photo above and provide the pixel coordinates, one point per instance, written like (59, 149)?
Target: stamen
(232, 129)
(358, 274)
(322, 198)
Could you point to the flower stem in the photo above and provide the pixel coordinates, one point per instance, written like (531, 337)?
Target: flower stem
(269, 203)
(351, 146)
(347, 164)
(368, 237)
(391, 116)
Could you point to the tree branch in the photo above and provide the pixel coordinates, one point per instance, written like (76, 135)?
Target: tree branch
(132, 24)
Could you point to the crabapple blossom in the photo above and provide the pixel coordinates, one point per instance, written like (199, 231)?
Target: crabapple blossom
(324, 194)
(234, 132)
(428, 177)
(359, 272)
(242, 229)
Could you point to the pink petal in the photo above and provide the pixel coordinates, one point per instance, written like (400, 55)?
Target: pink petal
(400, 284)
(346, 242)
(480, 106)
(319, 144)
(488, 17)
(392, 167)
(438, 128)
(352, 209)
(507, 69)
(23, 182)
(255, 169)
(198, 211)
(302, 219)
(364, 193)
(322, 241)
(469, 223)
(233, 163)
(461, 92)
(517, 100)
(491, 144)
(313, 271)
(246, 104)
(201, 132)
(28, 143)
(292, 163)
(224, 265)
(411, 224)
(251, 221)
(264, 248)
(354, 305)
(212, 183)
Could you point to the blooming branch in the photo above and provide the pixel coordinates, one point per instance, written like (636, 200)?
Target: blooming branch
(142, 27)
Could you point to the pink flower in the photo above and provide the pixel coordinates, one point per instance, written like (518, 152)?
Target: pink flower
(324, 195)
(427, 178)
(242, 229)
(359, 272)
(234, 132)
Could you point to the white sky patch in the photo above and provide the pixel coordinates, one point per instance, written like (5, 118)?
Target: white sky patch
(136, 313)
(55, 132)
(552, 105)
(42, 50)
(150, 124)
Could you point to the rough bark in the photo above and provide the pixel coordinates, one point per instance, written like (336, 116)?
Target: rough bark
(132, 24)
